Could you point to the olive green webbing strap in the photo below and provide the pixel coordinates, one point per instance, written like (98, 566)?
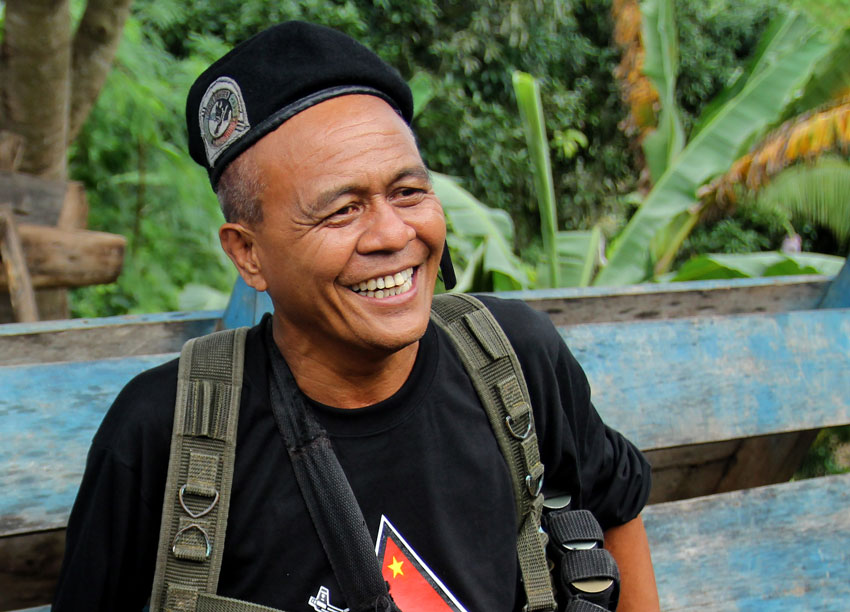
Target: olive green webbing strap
(200, 473)
(495, 372)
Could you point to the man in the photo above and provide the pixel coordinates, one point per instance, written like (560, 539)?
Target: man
(329, 208)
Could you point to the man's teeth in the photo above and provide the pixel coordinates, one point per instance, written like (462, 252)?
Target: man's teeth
(386, 286)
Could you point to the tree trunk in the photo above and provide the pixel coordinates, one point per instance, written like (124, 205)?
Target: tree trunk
(37, 82)
(95, 44)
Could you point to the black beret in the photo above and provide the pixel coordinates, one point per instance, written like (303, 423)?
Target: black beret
(274, 75)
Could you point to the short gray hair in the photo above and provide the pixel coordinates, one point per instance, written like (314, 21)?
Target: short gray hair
(239, 191)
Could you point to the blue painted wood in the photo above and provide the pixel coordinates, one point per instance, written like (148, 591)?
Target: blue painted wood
(782, 547)
(838, 294)
(48, 416)
(16, 329)
(650, 288)
(246, 306)
(684, 381)
(662, 383)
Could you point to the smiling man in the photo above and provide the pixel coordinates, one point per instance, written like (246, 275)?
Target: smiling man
(329, 208)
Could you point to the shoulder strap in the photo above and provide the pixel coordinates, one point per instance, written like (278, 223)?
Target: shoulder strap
(495, 372)
(332, 505)
(200, 473)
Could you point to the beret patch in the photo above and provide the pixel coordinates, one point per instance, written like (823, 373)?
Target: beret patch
(223, 117)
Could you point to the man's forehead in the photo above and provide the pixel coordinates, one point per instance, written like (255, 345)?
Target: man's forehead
(338, 129)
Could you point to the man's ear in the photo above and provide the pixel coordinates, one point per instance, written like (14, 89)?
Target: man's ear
(240, 245)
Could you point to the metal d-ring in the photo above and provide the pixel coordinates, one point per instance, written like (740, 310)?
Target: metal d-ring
(187, 528)
(203, 512)
(534, 489)
(509, 421)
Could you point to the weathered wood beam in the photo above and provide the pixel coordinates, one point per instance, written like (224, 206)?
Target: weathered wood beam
(577, 306)
(782, 547)
(69, 258)
(18, 281)
(87, 339)
(35, 200)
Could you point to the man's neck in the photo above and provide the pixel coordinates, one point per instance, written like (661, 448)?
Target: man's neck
(345, 379)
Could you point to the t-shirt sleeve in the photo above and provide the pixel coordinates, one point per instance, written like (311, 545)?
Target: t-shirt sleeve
(113, 530)
(583, 457)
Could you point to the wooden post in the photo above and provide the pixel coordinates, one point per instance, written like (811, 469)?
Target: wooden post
(14, 262)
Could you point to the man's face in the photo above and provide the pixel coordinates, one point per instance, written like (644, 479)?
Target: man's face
(347, 209)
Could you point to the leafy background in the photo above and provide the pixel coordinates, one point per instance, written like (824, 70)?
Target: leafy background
(131, 154)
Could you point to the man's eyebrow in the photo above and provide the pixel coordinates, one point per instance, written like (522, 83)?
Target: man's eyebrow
(324, 199)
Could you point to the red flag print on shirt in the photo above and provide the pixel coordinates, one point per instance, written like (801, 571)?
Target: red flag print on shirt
(413, 586)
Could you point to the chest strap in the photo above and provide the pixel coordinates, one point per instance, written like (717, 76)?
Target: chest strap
(200, 474)
(492, 365)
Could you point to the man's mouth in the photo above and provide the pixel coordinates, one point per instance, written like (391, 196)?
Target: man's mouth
(386, 286)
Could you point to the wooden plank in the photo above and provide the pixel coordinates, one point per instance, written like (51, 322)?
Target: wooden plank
(689, 381)
(48, 415)
(782, 547)
(29, 568)
(576, 306)
(702, 469)
(838, 294)
(35, 200)
(101, 338)
(70, 258)
(75, 207)
(17, 275)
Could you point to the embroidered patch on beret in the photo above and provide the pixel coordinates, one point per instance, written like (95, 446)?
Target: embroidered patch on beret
(222, 117)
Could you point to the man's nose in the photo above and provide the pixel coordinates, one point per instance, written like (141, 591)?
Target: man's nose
(386, 229)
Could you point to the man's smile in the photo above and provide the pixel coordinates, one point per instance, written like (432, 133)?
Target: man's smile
(385, 286)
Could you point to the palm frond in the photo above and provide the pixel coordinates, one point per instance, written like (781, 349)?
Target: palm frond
(818, 192)
(801, 139)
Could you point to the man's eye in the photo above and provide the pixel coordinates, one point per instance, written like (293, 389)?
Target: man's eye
(344, 211)
(410, 193)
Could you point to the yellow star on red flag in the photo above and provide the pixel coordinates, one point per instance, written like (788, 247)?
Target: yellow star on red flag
(395, 566)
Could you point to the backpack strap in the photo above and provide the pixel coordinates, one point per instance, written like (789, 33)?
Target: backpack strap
(200, 473)
(331, 502)
(495, 372)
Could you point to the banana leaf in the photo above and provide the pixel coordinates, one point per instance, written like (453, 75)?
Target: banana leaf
(830, 80)
(531, 110)
(578, 256)
(661, 64)
(759, 103)
(481, 240)
(781, 36)
(754, 265)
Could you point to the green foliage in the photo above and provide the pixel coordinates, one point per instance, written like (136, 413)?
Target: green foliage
(661, 66)
(829, 454)
(141, 183)
(818, 192)
(716, 40)
(754, 265)
(792, 49)
(750, 229)
(531, 110)
(481, 241)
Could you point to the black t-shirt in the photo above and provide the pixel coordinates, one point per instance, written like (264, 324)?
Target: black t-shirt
(424, 465)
